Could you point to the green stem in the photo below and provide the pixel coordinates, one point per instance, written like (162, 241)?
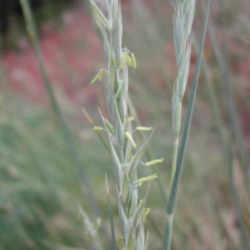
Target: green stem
(231, 104)
(236, 132)
(227, 141)
(69, 138)
(175, 155)
(236, 199)
(171, 205)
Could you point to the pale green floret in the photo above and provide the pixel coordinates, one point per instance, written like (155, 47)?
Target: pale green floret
(140, 128)
(99, 76)
(154, 162)
(146, 213)
(109, 125)
(146, 179)
(133, 62)
(131, 139)
(128, 58)
(98, 129)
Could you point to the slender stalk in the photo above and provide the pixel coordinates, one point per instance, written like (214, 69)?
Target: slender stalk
(231, 105)
(236, 199)
(125, 151)
(228, 136)
(3, 77)
(227, 141)
(183, 21)
(69, 138)
(179, 159)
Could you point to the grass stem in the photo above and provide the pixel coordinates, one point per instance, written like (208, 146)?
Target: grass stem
(69, 138)
(171, 205)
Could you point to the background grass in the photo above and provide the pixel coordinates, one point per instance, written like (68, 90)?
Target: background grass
(41, 189)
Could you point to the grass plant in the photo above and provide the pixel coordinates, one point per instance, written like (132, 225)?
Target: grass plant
(39, 191)
(227, 141)
(182, 30)
(232, 108)
(125, 149)
(63, 126)
(234, 133)
(120, 130)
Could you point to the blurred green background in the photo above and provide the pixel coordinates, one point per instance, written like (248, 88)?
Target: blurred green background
(45, 177)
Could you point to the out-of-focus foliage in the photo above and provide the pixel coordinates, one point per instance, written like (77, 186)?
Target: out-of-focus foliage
(41, 189)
